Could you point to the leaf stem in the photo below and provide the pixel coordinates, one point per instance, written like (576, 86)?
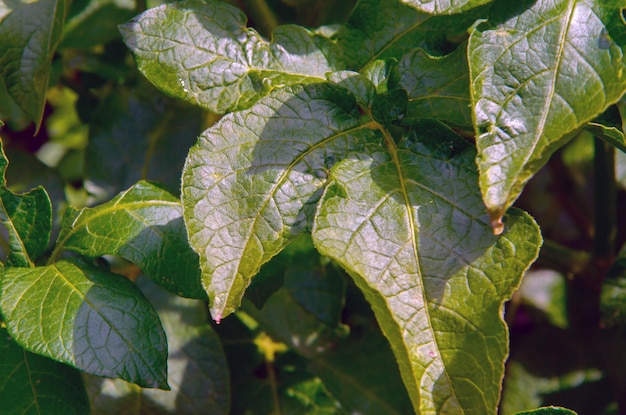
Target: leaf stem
(264, 18)
(604, 203)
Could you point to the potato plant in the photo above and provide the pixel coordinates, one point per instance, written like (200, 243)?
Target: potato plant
(307, 206)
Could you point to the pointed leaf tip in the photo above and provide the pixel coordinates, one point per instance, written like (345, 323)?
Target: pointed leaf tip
(251, 183)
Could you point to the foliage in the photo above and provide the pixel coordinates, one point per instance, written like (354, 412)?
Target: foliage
(336, 181)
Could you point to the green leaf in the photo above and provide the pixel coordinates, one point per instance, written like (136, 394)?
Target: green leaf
(611, 135)
(202, 52)
(537, 75)
(31, 381)
(407, 222)
(383, 74)
(251, 182)
(445, 6)
(29, 35)
(390, 106)
(548, 410)
(88, 318)
(362, 88)
(28, 219)
(196, 366)
(382, 29)
(144, 225)
(438, 87)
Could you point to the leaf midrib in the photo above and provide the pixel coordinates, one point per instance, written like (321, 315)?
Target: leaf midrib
(113, 327)
(96, 213)
(270, 195)
(393, 151)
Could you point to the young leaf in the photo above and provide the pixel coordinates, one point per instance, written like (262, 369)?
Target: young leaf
(144, 225)
(202, 52)
(93, 320)
(28, 219)
(31, 381)
(407, 222)
(29, 35)
(537, 75)
(438, 87)
(251, 182)
(610, 134)
(196, 366)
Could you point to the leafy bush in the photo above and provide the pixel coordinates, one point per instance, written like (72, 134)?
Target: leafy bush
(346, 211)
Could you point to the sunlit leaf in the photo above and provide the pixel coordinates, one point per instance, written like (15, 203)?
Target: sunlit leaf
(537, 74)
(88, 318)
(251, 183)
(202, 52)
(144, 225)
(407, 222)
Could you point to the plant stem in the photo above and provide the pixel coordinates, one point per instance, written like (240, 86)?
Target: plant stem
(604, 203)
(264, 18)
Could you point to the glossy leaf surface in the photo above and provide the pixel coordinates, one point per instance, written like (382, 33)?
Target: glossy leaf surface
(35, 384)
(67, 313)
(144, 225)
(251, 183)
(29, 35)
(203, 53)
(540, 71)
(407, 222)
